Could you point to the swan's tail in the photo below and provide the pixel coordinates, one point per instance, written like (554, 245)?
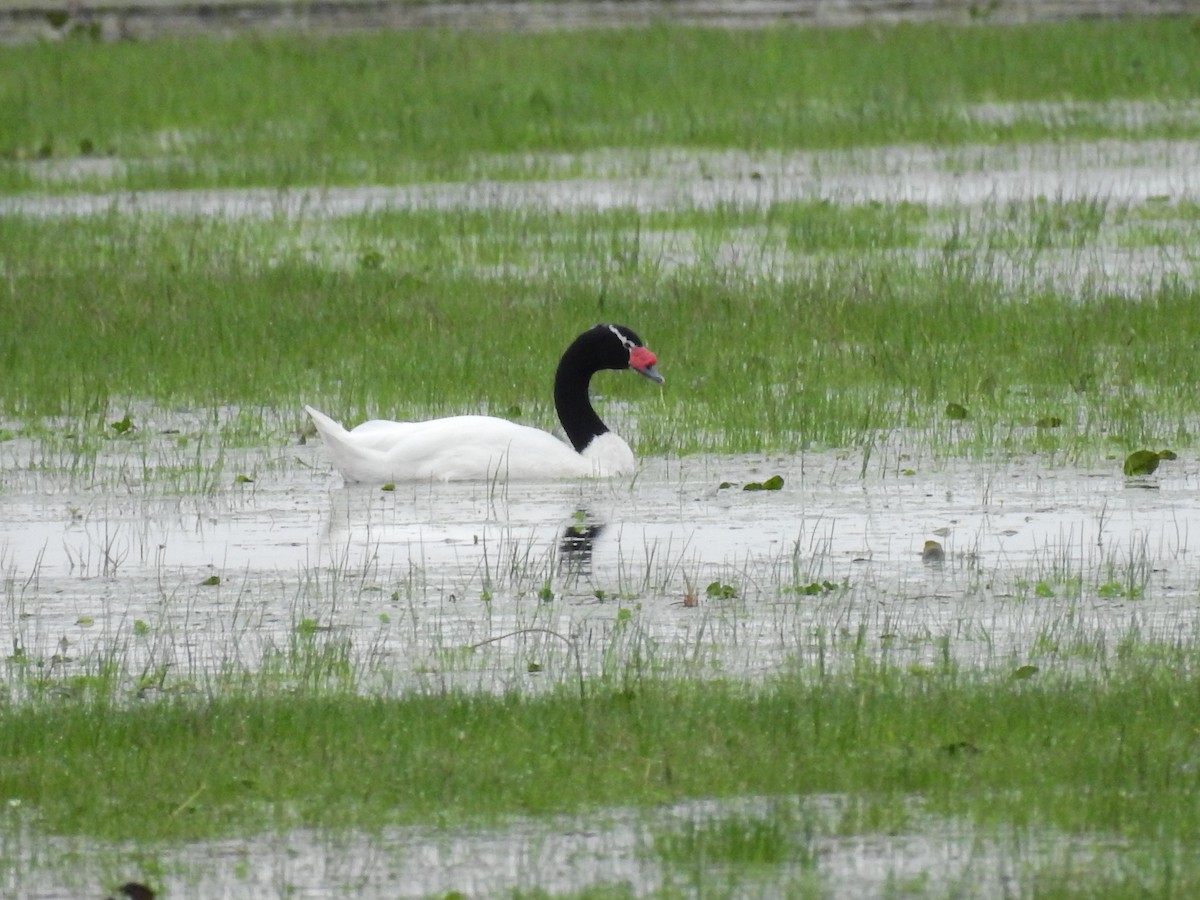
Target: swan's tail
(353, 462)
(326, 427)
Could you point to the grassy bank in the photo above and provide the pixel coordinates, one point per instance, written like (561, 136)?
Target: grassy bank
(431, 105)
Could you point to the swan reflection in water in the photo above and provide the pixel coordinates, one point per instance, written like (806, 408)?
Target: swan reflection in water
(575, 547)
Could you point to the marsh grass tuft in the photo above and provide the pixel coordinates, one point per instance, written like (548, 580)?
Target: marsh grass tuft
(274, 111)
(839, 349)
(871, 731)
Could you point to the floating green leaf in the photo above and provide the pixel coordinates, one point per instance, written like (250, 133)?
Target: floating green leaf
(1141, 462)
(124, 426)
(814, 588)
(774, 483)
(719, 591)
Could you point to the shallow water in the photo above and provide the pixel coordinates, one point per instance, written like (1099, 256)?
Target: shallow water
(1110, 170)
(570, 854)
(972, 185)
(407, 581)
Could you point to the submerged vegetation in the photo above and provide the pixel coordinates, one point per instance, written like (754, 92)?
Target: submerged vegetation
(143, 350)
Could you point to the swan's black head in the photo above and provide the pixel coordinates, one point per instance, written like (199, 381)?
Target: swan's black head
(602, 347)
(620, 348)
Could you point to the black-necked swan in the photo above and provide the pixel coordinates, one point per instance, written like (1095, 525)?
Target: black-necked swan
(485, 447)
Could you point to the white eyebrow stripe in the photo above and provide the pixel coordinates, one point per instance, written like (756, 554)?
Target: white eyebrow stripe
(629, 345)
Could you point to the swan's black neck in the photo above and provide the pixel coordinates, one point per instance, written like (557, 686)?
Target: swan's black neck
(602, 347)
(571, 382)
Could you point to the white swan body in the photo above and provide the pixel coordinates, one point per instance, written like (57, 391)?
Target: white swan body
(460, 448)
(465, 448)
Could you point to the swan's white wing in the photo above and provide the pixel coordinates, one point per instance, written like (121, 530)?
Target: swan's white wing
(463, 448)
(380, 434)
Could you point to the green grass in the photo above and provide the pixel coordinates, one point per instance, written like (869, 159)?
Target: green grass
(432, 105)
(798, 325)
(1112, 757)
(869, 319)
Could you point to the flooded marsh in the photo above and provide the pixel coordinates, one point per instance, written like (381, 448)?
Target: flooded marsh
(880, 614)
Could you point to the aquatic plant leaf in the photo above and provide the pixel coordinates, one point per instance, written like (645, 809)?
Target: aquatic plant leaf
(1024, 672)
(724, 484)
(774, 483)
(390, 486)
(956, 411)
(814, 588)
(719, 591)
(1141, 462)
(211, 580)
